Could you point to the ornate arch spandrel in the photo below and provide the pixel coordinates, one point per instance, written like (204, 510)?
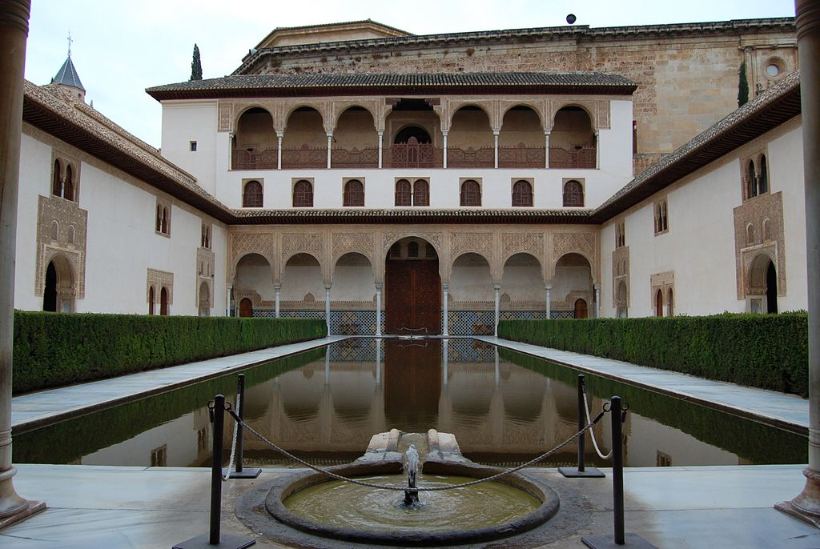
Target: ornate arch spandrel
(244, 243)
(436, 239)
(582, 243)
(312, 244)
(345, 243)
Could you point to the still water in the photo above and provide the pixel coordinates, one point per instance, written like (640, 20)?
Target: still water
(325, 404)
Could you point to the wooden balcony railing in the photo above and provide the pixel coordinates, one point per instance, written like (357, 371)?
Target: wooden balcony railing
(412, 155)
(264, 159)
(521, 157)
(579, 158)
(470, 158)
(355, 158)
(305, 157)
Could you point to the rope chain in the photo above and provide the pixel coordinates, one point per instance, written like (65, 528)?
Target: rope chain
(592, 433)
(335, 476)
(227, 474)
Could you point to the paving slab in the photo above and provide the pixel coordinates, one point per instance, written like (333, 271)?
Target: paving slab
(36, 409)
(771, 407)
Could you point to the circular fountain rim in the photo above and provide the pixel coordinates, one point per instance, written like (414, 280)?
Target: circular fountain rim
(285, 486)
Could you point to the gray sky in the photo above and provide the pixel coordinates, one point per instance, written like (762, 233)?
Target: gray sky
(122, 47)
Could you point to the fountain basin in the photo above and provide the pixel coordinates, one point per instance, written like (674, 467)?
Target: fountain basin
(314, 504)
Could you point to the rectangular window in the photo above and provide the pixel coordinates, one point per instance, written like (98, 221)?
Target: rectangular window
(192, 145)
(661, 217)
(620, 235)
(162, 220)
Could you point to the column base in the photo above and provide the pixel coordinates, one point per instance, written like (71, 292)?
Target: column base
(806, 506)
(28, 509)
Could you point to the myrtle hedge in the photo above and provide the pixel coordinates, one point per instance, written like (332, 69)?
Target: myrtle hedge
(58, 349)
(768, 351)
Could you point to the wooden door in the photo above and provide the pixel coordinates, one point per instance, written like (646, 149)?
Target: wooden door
(581, 309)
(413, 297)
(245, 307)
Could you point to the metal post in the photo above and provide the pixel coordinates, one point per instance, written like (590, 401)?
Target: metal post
(239, 449)
(214, 537)
(581, 471)
(617, 471)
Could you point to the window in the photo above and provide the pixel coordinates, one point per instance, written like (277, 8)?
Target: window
(421, 193)
(413, 249)
(763, 178)
(205, 236)
(163, 301)
(303, 194)
(573, 194)
(470, 193)
(68, 186)
(252, 195)
(522, 193)
(661, 217)
(151, 300)
(353, 193)
(620, 234)
(162, 224)
(403, 193)
(64, 179)
(192, 146)
(670, 303)
(56, 180)
(659, 303)
(751, 180)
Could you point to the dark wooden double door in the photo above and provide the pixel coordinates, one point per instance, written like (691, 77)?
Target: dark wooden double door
(413, 297)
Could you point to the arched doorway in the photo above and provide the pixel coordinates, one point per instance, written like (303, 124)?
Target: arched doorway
(572, 282)
(245, 308)
(771, 288)
(412, 288)
(762, 285)
(254, 281)
(581, 310)
(163, 302)
(472, 296)
(522, 287)
(353, 296)
(659, 303)
(58, 294)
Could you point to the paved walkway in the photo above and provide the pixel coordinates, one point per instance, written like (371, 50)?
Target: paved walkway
(35, 409)
(140, 507)
(770, 407)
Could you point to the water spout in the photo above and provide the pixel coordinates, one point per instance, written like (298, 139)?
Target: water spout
(411, 467)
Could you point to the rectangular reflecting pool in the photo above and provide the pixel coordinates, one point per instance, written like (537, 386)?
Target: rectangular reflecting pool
(324, 405)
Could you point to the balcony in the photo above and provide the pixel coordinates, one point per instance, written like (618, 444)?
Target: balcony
(580, 157)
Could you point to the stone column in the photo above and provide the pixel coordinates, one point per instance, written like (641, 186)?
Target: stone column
(549, 301)
(14, 15)
(444, 149)
(329, 149)
(228, 290)
(497, 370)
(378, 309)
(381, 147)
(445, 362)
(496, 299)
(279, 137)
(327, 308)
(597, 151)
(378, 362)
(495, 147)
(597, 299)
(546, 149)
(277, 289)
(807, 504)
(445, 323)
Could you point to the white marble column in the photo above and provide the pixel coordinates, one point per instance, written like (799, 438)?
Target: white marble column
(497, 300)
(14, 16)
(327, 308)
(445, 362)
(277, 289)
(444, 149)
(807, 504)
(445, 322)
(279, 137)
(378, 309)
(548, 291)
(381, 147)
(495, 148)
(228, 290)
(378, 362)
(329, 149)
(597, 298)
(546, 149)
(327, 366)
(597, 151)
(497, 370)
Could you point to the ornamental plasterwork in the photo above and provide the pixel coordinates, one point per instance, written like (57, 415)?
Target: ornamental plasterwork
(243, 243)
(205, 264)
(515, 243)
(597, 109)
(361, 243)
(225, 116)
(160, 279)
(479, 243)
(296, 243)
(61, 235)
(758, 224)
(663, 282)
(620, 273)
(436, 239)
(583, 243)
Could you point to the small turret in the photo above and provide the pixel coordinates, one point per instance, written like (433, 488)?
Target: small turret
(68, 79)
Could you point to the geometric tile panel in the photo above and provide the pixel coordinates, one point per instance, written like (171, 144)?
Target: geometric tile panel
(353, 322)
(465, 323)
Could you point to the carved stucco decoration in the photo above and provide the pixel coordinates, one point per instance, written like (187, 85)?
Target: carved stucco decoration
(361, 243)
(158, 280)
(516, 243)
(758, 224)
(580, 243)
(598, 110)
(663, 282)
(308, 243)
(61, 233)
(620, 273)
(225, 116)
(244, 243)
(205, 265)
(436, 239)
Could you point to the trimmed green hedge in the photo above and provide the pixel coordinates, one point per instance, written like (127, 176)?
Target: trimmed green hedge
(58, 349)
(768, 351)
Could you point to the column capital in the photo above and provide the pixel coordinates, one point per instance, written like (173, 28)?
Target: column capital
(379, 286)
(445, 286)
(548, 287)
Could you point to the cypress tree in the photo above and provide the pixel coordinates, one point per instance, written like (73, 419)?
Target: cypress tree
(196, 65)
(742, 86)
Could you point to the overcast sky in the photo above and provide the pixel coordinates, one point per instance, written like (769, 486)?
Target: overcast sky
(121, 47)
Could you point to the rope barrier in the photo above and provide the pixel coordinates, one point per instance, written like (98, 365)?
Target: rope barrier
(592, 433)
(335, 476)
(227, 474)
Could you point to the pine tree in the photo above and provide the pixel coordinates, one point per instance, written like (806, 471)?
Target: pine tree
(196, 65)
(742, 86)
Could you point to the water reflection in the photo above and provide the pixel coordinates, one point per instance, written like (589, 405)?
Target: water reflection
(327, 405)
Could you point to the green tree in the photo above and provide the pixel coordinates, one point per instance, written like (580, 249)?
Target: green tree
(742, 86)
(196, 65)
